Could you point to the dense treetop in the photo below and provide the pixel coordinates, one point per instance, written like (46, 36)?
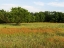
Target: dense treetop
(19, 15)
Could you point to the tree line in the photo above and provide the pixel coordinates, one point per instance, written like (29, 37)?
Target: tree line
(21, 15)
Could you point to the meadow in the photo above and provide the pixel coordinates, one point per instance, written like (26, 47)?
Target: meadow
(32, 35)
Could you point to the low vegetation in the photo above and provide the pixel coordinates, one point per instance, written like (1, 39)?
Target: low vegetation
(32, 35)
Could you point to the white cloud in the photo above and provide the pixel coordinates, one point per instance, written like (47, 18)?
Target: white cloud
(56, 4)
(7, 7)
(39, 3)
(31, 8)
(58, 10)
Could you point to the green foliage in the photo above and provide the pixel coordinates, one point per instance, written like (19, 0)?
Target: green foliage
(20, 15)
(3, 17)
(41, 16)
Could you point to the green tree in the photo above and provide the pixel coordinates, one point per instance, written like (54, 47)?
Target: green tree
(41, 16)
(20, 15)
(47, 16)
(4, 16)
(55, 17)
(32, 17)
(37, 17)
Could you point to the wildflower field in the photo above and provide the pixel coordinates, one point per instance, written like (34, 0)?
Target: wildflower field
(32, 35)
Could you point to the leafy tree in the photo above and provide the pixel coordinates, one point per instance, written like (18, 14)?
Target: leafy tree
(20, 15)
(3, 16)
(47, 16)
(41, 16)
(55, 17)
(37, 17)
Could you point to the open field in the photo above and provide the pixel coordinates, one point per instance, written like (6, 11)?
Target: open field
(33, 25)
(32, 35)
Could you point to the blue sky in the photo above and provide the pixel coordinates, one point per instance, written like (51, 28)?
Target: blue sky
(33, 5)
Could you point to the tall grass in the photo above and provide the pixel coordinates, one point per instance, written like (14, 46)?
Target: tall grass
(31, 40)
(33, 25)
(47, 39)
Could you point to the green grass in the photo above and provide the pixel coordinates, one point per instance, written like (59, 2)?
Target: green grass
(33, 40)
(33, 25)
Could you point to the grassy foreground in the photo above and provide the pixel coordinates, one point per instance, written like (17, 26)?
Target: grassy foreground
(32, 35)
(33, 25)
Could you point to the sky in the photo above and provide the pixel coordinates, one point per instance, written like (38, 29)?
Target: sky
(33, 5)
